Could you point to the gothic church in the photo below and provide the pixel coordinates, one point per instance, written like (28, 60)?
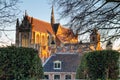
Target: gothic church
(46, 37)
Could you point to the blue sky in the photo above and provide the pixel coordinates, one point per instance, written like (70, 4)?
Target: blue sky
(40, 9)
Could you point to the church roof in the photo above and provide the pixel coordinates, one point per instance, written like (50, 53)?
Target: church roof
(55, 27)
(40, 26)
(66, 35)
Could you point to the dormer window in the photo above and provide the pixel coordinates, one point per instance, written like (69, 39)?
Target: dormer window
(57, 64)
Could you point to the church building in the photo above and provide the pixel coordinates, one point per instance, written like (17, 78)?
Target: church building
(42, 35)
(48, 37)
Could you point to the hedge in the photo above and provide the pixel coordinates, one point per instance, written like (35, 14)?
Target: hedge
(99, 65)
(20, 64)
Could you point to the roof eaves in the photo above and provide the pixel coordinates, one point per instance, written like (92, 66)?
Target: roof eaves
(47, 60)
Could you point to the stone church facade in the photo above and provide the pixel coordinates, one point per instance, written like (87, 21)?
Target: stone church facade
(47, 37)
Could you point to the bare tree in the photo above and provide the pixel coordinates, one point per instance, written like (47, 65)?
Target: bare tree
(8, 12)
(84, 15)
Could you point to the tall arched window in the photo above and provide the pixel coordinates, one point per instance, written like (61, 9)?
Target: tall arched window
(37, 39)
(48, 39)
(43, 40)
(33, 37)
(93, 38)
(24, 41)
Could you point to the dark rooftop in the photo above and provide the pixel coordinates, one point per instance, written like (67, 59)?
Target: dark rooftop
(69, 63)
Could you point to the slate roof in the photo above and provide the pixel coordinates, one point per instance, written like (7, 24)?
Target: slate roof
(69, 62)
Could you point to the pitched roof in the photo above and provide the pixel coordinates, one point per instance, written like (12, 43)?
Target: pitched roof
(69, 63)
(66, 35)
(40, 26)
(55, 26)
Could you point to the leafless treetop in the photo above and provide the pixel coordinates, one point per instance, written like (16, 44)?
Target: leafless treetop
(84, 15)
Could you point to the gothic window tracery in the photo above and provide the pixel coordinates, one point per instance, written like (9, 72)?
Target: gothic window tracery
(33, 37)
(93, 38)
(38, 39)
(43, 40)
(24, 41)
(48, 38)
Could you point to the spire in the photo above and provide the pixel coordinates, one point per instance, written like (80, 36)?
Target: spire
(25, 16)
(17, 23)
(95, 39)
(26, 13)
(52, 16)
(109, 45)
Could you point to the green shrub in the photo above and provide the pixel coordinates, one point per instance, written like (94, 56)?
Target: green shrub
(101, 65)
(20, 64)
(82, 70)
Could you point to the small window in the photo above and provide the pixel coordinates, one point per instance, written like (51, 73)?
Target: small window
(46, 77)
(57, 64)
(67, 77)
(37, 39)
(56, 77)
(93, 38)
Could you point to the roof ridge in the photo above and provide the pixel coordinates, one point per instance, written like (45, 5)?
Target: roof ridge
(41, 25)
(38, 19)
(67, 53)
(65, 27)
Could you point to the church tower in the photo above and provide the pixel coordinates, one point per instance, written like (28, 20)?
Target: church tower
(17, 33)
(95, 39)
(52, 17)
(23, 32)
(109, 45)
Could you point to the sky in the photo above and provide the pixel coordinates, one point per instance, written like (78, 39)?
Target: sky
(40, 9)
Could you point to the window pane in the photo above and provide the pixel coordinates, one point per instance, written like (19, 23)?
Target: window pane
(56, 76)
(46, 77)
(55, 65)
(68, 77)
(58, 66)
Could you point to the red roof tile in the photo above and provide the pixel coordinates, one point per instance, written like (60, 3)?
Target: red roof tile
(66, 35)
(40, 26)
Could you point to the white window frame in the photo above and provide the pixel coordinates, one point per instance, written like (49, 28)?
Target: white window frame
(57, 65)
